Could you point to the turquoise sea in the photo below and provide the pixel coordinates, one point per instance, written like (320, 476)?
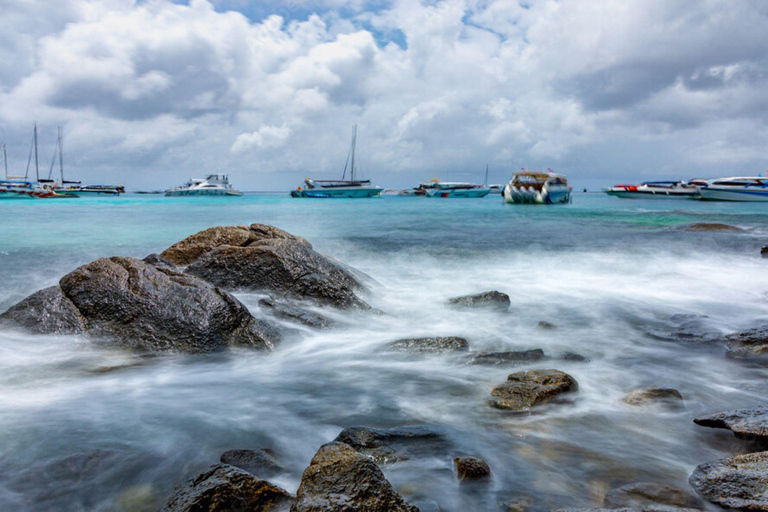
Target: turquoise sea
(646, 302)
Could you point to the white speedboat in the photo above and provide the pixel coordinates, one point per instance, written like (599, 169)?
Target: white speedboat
(457, 189)
(656, 190)
(750, 188)
(534, 187)
(212, 185)
(343, 188)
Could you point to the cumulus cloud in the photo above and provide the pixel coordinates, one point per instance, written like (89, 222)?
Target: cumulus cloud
(153, 91)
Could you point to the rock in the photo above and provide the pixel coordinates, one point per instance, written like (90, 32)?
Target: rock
(341, 480)
(764, 251)
(739, 482)
(47, 311)
(595, 510)
(710, 226)
(296, 314)
(427, 506)
(749, 345)
(227, 488)
(650, 497)
(158, 261)
(471, 468)
(194, 246)
(261, 463)
(143, 307)
(494, 300)
(547, 326)
(572, 356)
(666, 397)
(439, 345)
(395, 444)
(520, 504)
(515, 356)
(524, 390)
(750, 424)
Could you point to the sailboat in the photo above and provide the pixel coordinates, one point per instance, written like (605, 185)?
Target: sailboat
(76, 188)
(19, 187)
(343, 188)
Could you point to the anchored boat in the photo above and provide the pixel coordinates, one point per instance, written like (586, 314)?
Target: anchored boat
(343, 188)
(534, 187)
(19, 187)
(457, 189)
(212, 185)
(656, 190)
(750, 188)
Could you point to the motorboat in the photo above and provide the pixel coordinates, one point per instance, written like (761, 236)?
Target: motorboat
(656, 190)
(535, 187)
(447, 189)
(497, 189)
(343, 188)
(77, 189)
(750, 188)
(211, 185)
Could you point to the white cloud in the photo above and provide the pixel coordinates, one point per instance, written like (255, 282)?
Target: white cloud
(265, 137)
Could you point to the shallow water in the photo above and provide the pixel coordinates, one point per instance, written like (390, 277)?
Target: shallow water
(87, 427)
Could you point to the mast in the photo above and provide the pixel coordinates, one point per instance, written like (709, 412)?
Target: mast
(37, 168)
(61, 154)
(5, 159)
(485, 183)
(354, 143)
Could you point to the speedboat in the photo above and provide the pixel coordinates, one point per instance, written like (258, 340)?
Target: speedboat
(212, 185)
(534, 187)
(750, 188)
(457, 189)
(655, 190)
(343, 188)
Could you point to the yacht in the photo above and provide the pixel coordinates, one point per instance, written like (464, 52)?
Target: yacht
(343, 188)
(751, 188)
(457, 189)
(212, 185)
(656, 190)
(20, 187)
(534, 187)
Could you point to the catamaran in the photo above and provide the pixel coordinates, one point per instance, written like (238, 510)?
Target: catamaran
(212, 185)
(351, 188)
(536, 187)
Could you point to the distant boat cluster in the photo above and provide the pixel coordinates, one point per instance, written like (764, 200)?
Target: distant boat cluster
(735, 188)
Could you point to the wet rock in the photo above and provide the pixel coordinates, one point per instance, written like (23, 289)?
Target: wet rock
(471, 468)
(711, 226)
(650, 497)
(547, 326)
(223, 487)
(524, 390)
(667, 397)
(194, 246)
(261, 463)
(386, 445)
(749, 345)
(493, 300)
(158, 261)
(437, 345)
(519, 504)
(340, 479)
(427, 506)
(764, 251)
(80, 466)
(47, 311)
(515, 356)
(739, 482)
(573, 357)
(145, 307)
(750, 424)
(297, 314)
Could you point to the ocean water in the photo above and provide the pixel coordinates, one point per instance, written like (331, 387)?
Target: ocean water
(88, 427)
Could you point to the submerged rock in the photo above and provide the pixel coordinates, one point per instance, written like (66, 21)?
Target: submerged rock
(471, 468)
(261, 463)
(493, 300)
(437, 345)
(524, 390)
(739, 482)
(710, 226)
(340, 479)
(395, 444)
(764, 251)
(573, 357)
(297, 314)
(519, 504)
(144, 307)
(667, 397)
(547, 326)
(227, 488)
(750, 424)
(650, 497)
(749, 345)
(514, 356)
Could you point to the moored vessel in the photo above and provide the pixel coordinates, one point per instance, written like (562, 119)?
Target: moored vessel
(655, 190)
(447, 189)
(212, 185)
(736, 188)
(535, 187)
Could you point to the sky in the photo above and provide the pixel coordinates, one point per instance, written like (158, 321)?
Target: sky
(150, 93)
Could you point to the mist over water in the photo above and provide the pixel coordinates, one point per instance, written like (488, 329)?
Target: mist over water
(84, 426)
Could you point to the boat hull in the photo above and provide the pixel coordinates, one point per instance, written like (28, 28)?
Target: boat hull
(459, 193)
(197, 193)
(338, 192)
(515, 195)
(638, 194)
(743, 195)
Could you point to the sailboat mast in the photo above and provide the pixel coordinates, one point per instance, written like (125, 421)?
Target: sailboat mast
(61, 153)
(5, 160)
(485, 183)
(37, 168)
(354, 142)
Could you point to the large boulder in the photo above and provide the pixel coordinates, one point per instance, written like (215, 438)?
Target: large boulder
(651, 497)
(492, 300)
(431, 345)
(395, 444)
(524, 390)
(144, 307)
(664, 397)
(750, 424)
(341, 480)
(749, 345)
(739, 482)
(227, 488)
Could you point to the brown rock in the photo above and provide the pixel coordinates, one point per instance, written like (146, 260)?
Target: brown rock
(492, 300)
(650, 497)
(192, 247)
(749, 345)
(711, 226)
(524, 390)
(666, 397)
(471, 468)
(750, 424)
(739, 482)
